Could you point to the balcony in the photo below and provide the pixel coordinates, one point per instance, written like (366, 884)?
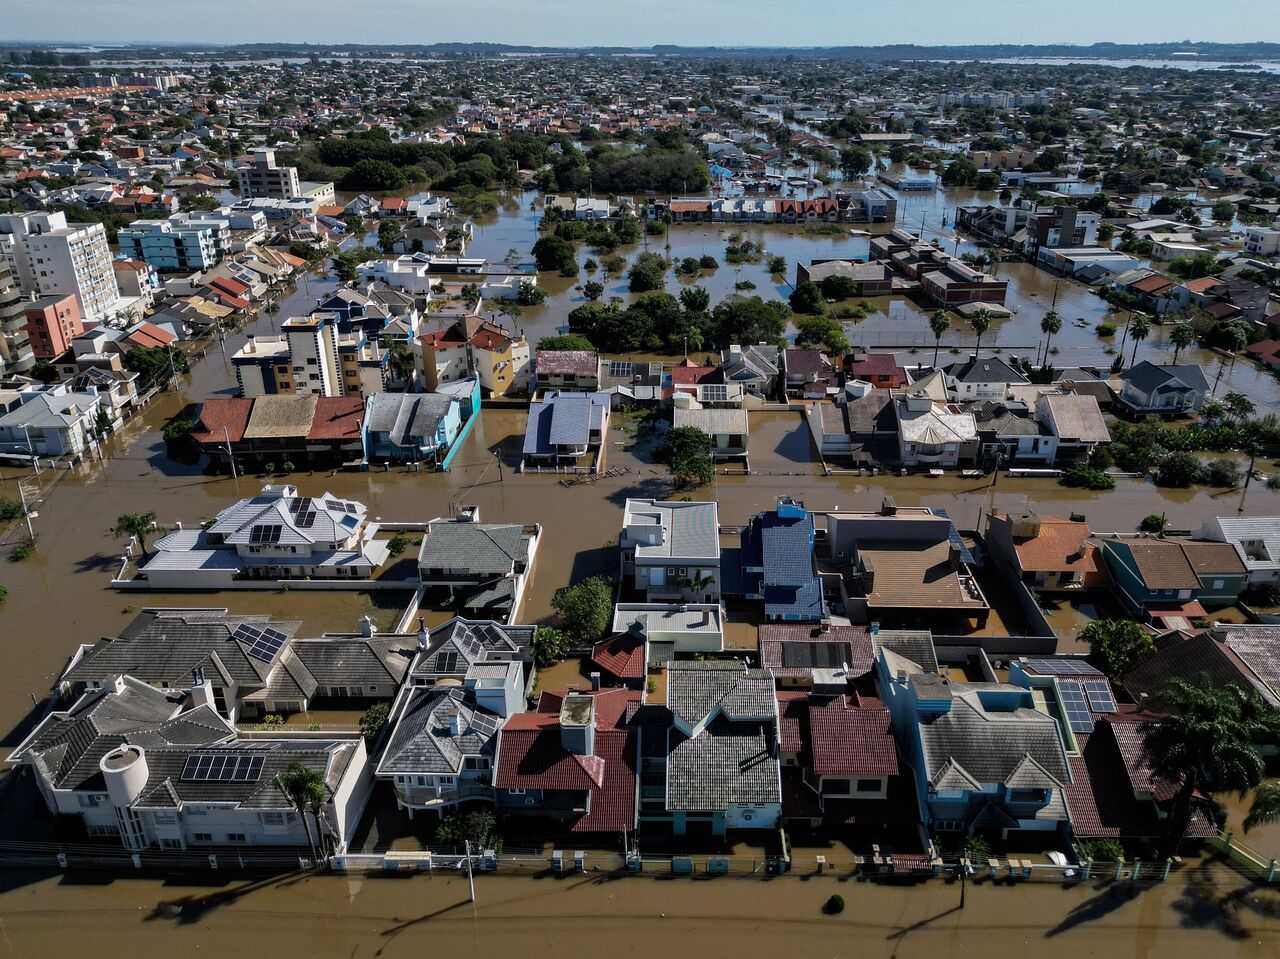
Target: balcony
(430, 797)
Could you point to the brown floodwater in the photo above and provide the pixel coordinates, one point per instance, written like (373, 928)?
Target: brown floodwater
(1204, 910)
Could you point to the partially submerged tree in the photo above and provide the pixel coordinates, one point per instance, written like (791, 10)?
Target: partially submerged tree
(138, 525)
(306, 790)
(1115, 644)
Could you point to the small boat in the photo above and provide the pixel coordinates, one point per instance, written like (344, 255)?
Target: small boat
(971, 474)
(936, 474)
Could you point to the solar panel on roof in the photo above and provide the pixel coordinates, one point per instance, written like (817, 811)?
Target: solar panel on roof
(246, 633)
(484, 724)
(265, 533)
(446, 661)
(1072, 698)
(1062, 667)
(1100, 698)
(715, 392)
(306, 520)
(222, 767)
(621, 368)
(267, 644)
(300, 505)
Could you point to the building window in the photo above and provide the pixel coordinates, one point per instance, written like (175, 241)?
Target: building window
(170, 843)
(89, 801)
(949, 825)
(867, 786)
(202, 837)
(237, 837)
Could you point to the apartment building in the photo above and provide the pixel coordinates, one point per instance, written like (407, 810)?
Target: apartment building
(52, 322)
(168, 246)
(263, 179)
(311, 355)
(16, 355)
(46, 256)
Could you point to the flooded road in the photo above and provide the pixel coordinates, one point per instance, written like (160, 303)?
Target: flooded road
(1202, 911)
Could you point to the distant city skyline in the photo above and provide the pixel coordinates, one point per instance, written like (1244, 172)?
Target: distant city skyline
(572, 23)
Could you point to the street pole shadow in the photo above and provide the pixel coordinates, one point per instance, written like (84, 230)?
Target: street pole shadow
(902, 933)
(392, 932)
(1107, 901)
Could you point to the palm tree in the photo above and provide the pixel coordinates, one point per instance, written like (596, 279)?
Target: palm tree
(305, 788)
(400, 359)
(1181, 336)
(1139, 330)
(140, 525)
(1208, 742)
(981, 322)
(1265, 808)
(939, 323)
(1213, 411)
(1050, 324)
(696, 583)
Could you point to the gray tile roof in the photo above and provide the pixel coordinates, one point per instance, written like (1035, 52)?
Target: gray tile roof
(728, 762)
(689, 530)
(460, 643)
(990, 745)
(303, 520)
(697, 690)
(482, 549)
(914, 645)
(355, 661)
(165, 647)
(409, 419)
(423, 741)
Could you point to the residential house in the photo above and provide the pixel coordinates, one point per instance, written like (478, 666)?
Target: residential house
(1163, 390)
(880, 370)
(722, 768)
(566, 431)
(1046, 552)
(442, 747)
(933, 434)
(671, 550)
(984, 758)
(567, 370)
(775, 563)
(481, 567)
(53, 422)
(1170, 581)
(727, 427)
(805, 656)
(457, 645)
(302, 429)
(1242, 656)
(981, 379)
(1074, 423)
(870, 279)
(275, 535)
(160, 768)
(472, 345)
(574, 759)
(809, 374)
(52, 322)
(1257, 541)
(413, 427)
(756, 368)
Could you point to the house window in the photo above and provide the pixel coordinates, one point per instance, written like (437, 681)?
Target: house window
(444, 780)
(237, 837)
(89, 801)
(202, 837)
(949, 825)
(1026, 795)
(1218, 584)
(516, 792)
(165, 818)
(475, 762)
(867, 786)
(170, 843)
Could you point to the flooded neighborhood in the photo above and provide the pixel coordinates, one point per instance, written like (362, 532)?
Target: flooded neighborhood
(548, 498)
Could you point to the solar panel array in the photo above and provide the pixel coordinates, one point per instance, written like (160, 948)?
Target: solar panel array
(621, 368)
(222, 767)
(446, 661)
(1099, 692)
(715, 393)
(1072, 697)
(483, 723)
(1062, 666)
(304, 513)
(263, 641)
(265, 533)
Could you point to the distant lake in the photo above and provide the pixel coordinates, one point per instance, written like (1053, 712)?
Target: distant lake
(1189, 63)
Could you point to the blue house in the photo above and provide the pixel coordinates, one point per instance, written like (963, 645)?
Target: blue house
(778, 564)
(985, 759)
(411, 427)
(1169, 579)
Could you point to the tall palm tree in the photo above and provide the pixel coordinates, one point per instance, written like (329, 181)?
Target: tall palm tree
(140, 525)
(1181, 336)
(1208, 742)
(939, 323)
(305, 789)
(1139, 330)
(1050, 324)
(981, 322)
(1265, 808)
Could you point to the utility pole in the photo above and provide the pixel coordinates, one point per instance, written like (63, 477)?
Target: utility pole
(26, 514)
(230, 455)
(964, 873)
(1253, 458)
(471, 879)
(502, 477)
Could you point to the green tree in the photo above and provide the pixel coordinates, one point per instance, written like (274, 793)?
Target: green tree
(981, 322)
(306, 790)
(566, 341)
(378, 175)
(1179, 470)
(346, 264)
(400, 359)
(939, 323)
(1238, 406)
(1223, 211)
(648, 272)
(585, 609)
(1209, 742)
(140, 525)
(1181, 336)
(374, 720)
(389, 233)
(550, 645)
(593, 290)
(554, 253)
(854, 162)
(686, 451)
(1050, 324)
(807, 298)
(1153, 523)
(822, 333)
(691, 587)
(695, 299)
(478, 827)
(1116, 644)
(1139, 330)
(1265, 808)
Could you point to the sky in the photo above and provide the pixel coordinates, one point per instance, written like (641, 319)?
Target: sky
(640, 22)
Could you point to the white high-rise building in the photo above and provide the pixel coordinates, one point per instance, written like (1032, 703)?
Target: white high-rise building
(262, 178)
(46, 257)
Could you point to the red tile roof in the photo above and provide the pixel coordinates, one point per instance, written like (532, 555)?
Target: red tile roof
(793, 719)
(851, 739)
(148, 334)
(337, 418)
(530, 756)
(568, 362)
(690, 375)
(774, 637)
(621, 656)
(217, 412)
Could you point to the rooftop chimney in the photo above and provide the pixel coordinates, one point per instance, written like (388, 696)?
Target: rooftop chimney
(455, 722)
(367, 628)
(577, 724)
(422, 634)
(888, 507)
(595, 681)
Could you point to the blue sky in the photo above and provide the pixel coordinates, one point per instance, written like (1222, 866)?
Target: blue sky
(643, 22)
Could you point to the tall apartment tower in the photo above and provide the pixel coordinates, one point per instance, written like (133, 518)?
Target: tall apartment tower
(16, 355)
(262, 178)
(47, 257)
